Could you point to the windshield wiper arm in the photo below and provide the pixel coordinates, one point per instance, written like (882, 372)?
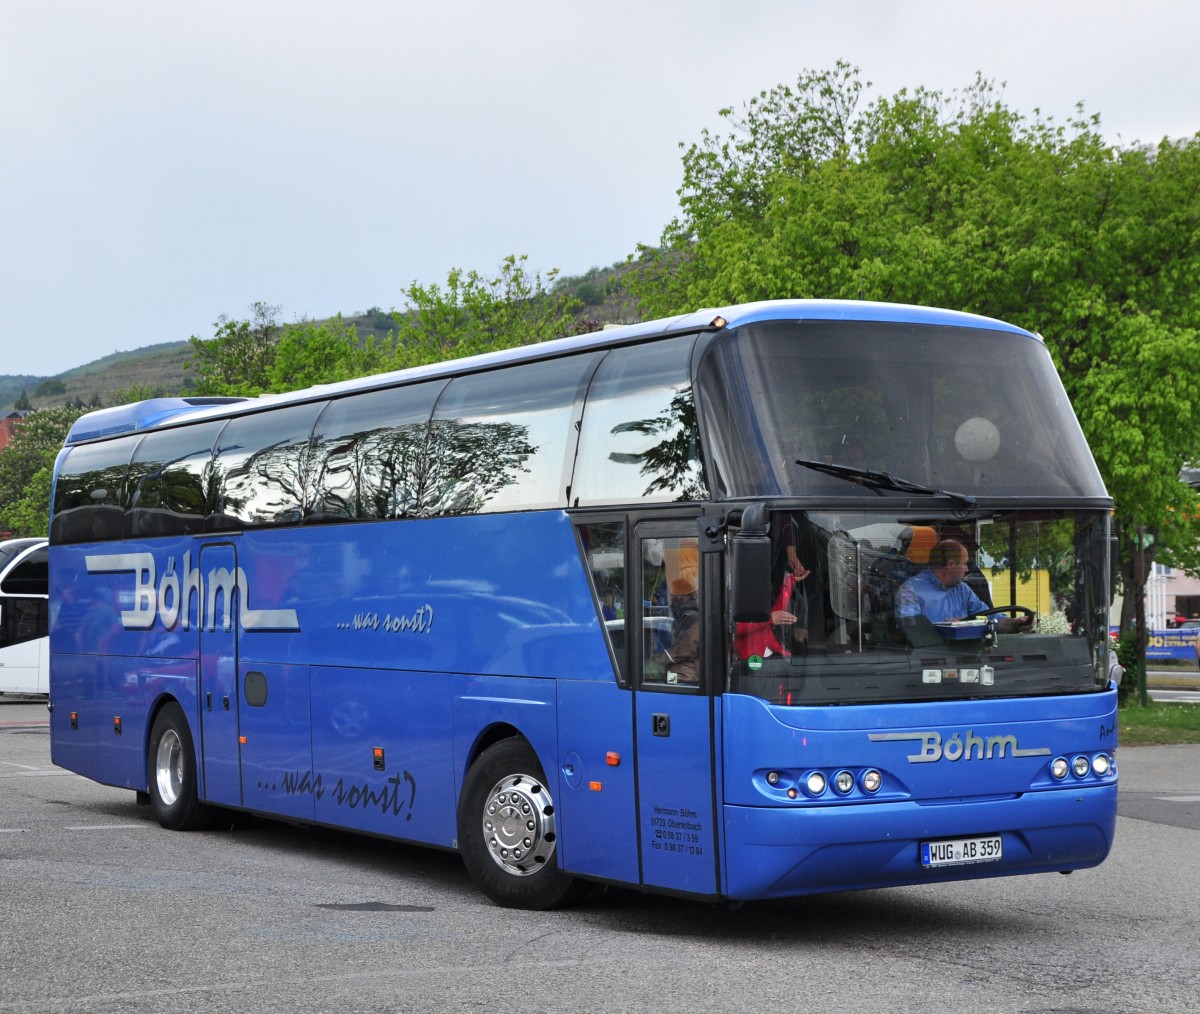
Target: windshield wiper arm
(880, 481)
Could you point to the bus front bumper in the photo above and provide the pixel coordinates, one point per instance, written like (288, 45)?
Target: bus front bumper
(775, 852)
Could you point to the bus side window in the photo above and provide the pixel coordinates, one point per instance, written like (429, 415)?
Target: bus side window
(370, 458)
(639, 440)
(604, 554)
(29, 577)
(167, 490)
(261, 468)
(88, 496)
(508, 436)
(23, 619)
(670, 581)
(24, 612)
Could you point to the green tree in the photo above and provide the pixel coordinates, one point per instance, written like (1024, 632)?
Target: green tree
(237, 359)
(956, 200)
(470, 314)
(26, 467)
(29, 515)
(310, 353)
(476, 314)
(128, 395)
(47, 389)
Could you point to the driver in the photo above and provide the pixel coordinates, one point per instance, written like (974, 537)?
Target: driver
(940, 594)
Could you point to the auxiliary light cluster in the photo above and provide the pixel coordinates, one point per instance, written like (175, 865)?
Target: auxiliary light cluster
(815, 784)
(1098, 765)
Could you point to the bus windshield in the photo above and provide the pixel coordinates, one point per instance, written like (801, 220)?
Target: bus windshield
(866, 608)
(968, 410)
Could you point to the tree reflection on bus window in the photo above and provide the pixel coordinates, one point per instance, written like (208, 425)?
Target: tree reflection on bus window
(261, 462)
(639, 439)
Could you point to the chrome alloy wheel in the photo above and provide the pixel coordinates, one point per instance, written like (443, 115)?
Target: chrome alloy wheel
(518, 825)
(168, 767)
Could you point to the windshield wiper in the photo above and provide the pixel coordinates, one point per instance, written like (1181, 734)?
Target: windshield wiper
(880, 481)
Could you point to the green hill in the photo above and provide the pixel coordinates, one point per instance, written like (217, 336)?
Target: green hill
(156, 368)
(159, 370)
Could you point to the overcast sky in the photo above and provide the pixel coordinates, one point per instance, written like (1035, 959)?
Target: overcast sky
(168, 162)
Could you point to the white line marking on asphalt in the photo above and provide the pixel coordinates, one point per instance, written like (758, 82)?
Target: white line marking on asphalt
(105, 827)
(34, 773)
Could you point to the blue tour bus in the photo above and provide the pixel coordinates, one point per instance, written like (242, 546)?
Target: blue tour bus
(617, 608)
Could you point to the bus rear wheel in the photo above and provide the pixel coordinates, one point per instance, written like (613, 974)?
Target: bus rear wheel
(507, 831)
(171, 771)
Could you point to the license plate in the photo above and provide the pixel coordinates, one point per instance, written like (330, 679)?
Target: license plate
(958, 851)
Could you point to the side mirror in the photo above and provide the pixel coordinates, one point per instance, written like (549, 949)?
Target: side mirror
(1116, 671)
(750, 568)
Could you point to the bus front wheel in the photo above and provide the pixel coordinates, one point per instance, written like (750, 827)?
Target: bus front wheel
(507, 831)
(171, 770)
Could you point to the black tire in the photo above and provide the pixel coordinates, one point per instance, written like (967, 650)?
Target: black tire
(506, 831)
(171, 773)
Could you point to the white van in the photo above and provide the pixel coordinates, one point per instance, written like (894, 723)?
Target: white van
(24, 617)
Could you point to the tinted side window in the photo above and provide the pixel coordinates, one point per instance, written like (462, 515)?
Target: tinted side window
(167, 489)
(88, 495)
(503, 440)
(370, 455)
(30, 576)
(603, 547)
(25, 613)
(260, 468)
(24, 619)
(639, 440)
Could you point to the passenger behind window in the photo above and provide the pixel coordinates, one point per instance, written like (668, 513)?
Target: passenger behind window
(105, 523)
(786, 632)
(680, 662)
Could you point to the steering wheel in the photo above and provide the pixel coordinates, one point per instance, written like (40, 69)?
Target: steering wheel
(1005, 609)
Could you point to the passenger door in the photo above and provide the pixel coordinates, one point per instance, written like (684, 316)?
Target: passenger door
(673, 716)
(219, 728)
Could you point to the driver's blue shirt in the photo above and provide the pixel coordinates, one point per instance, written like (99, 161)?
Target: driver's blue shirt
(923, 595)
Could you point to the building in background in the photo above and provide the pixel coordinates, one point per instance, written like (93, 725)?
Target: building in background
(8, 425)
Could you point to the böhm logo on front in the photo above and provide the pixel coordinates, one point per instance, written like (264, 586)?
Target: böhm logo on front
(959, 747)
